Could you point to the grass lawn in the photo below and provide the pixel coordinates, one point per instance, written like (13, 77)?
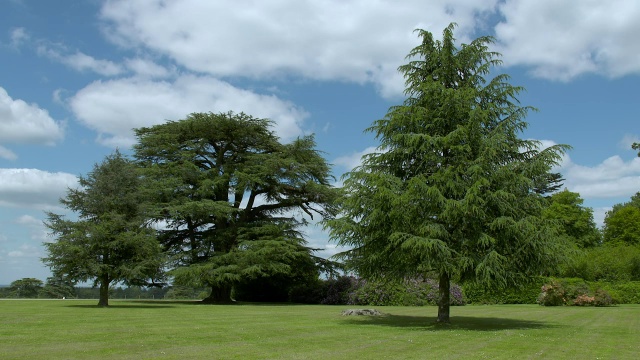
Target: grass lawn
(75, 329)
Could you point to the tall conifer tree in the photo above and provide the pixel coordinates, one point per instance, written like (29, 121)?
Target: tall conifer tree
(451, 191)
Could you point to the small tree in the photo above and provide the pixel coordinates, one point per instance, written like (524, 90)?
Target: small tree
(451, 192)
(110, 241)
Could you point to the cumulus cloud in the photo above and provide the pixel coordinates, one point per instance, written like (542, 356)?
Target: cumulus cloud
(32, 188)
(115, 107)
(357, 41)
(614, 177)
(611, 178)
(564, 39)
(25, 123)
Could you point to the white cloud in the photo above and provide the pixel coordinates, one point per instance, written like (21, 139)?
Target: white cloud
(32, 188)
(358, 41)
(26, 251)
(564, 39)
(147, 68)
(26, 123)
(612, 178)
(82, 62)
(115, 107)
(355, 159)
(18, 37)
(7, 154)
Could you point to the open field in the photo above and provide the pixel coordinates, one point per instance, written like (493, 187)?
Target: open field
(74, 329)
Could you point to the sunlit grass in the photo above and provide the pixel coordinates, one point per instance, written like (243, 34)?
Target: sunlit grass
(70, 329)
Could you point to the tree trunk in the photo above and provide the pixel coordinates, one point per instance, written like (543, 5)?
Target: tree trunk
(219, 295)
(104, 292)
(444, 298)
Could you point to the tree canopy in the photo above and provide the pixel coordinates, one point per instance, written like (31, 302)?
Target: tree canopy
(109, 242)
(231, 197)
(451, 189)
(575, 221)
(28, 288)
(622, 223)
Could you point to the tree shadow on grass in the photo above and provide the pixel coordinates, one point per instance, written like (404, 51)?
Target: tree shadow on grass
(457, 323)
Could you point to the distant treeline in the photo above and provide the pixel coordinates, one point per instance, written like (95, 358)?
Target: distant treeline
(134, 292)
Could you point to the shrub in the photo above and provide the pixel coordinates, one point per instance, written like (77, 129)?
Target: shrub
(552, 294)
(602, 298)
(584, 300)
(338, 290)
(525, 294)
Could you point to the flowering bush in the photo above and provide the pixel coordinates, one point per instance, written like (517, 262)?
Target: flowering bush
(584, 300)
(552, 294)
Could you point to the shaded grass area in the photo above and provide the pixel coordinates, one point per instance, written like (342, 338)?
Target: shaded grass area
(70, 329)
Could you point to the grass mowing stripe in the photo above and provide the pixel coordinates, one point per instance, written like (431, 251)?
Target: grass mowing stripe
(175, 330)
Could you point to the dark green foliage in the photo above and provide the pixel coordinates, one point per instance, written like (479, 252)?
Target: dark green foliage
(451, 189)
(404, 292)
(525, 294)
(232, 197)
(25, 288)
(636, 146)
(548, 183)
(110, 241)
(622, 223)
(574, 220)
(622, 292)
(58, 288)
(606, 263)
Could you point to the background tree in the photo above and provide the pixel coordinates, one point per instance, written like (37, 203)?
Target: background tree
(232, 197)
(636, 146)
(26, 288)
(57, 287)
(451, 190)
(575, 221)
(109, 242)
(622, 223)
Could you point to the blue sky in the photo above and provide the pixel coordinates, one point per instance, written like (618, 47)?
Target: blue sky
(77, 76)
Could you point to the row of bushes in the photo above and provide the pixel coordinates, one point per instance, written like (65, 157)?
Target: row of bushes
(620, 292)
(574, 292)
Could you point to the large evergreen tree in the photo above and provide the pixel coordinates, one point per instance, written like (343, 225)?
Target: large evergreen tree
(451, 191)
(109, 242)
(232, 197)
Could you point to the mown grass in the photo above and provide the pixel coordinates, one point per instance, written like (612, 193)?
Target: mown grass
(70, 329)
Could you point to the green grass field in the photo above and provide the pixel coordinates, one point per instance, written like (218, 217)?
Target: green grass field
(73, 329)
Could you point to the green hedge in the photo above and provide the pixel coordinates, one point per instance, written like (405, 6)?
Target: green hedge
(527, 294)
